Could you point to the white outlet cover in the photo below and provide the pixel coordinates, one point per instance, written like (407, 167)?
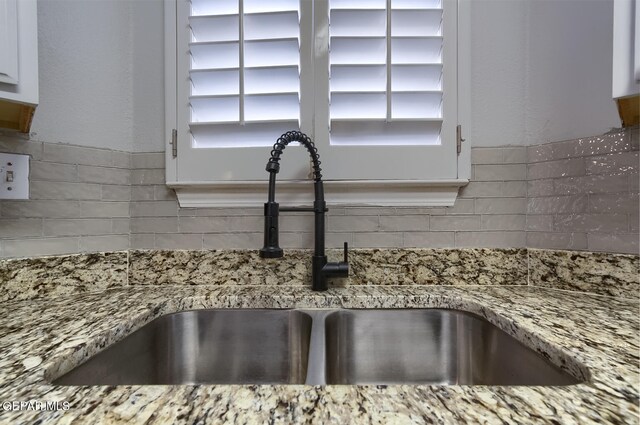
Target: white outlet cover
(19, 165)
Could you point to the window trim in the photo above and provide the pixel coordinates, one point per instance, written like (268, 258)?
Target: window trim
(413, 193)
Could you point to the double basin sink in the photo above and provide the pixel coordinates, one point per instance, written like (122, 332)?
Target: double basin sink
(318, 347)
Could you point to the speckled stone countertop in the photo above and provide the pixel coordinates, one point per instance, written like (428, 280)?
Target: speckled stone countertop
(592, 336)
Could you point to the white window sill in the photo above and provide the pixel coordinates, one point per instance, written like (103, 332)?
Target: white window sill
(393, 193)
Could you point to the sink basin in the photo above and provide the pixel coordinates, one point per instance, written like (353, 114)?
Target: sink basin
(429, 347)
(205, 346)
(318, 347)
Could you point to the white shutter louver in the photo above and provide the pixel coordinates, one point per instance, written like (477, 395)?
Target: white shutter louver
(386, 70)
(244, 71)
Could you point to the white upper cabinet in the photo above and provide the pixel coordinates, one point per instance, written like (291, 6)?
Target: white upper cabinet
(18, 63)
(626, 48)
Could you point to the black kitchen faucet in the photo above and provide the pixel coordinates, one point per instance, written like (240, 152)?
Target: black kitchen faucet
(321, 268)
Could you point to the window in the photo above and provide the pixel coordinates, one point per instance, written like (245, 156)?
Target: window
(373, 83)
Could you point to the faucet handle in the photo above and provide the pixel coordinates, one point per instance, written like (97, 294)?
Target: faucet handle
(346, 252)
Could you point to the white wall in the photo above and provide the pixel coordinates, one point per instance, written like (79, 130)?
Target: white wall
(85, 73)
(540, 71)
(101, 73)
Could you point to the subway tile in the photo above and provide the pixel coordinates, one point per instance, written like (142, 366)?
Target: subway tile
(91, 209)
(591, 223)
(147, 176)
(17, 145)
(503, 222)
(120, 226)
(619, 243)
(142, 241)
(293, 223)
(244, 223)
(619, 141)
(142, 193)
(365, 210)
(429, 239)
(294, 240)
(41, 208)
(155, 225)
(178, 241)
(551, 169)
(617, 163)
(540, 187)
(514, 155)
(233, 240)
(64, 190)
(377, 240)
(347, 223)
(540, 223)
(455, 222)
(399, 223)
(154, 208)
(461, 206)
(614, 203)
(486, 155)
(104, 175)
(601, 183)
(500, 172)
(39, 246)
(116, 192)
(634, 183)
(187, 212)
(202, 225)
(496, 239)
(214, 212)
(482, 189)
(77, 227)
(539, 153)
(52, 171)
(336, 240)
(148, 160)
(104, 243)
(556, 240)
(335, 210)
(634, 223)
(634, 138)
(163, 193)
(514, 189)
(121, 159)
(68, 154)
(558, 204)
(20, 228)
(501, 206)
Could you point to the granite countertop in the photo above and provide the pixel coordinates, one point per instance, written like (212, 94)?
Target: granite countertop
(593, 336)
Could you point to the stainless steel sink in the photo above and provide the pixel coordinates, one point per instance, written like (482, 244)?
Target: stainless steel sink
(429, 347)
(205, 346)
(318, 347)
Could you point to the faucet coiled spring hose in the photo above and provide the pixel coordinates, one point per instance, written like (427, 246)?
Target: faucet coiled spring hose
(294, 136)
(273, 166)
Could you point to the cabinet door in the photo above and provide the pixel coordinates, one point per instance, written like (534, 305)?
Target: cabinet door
(9, 41)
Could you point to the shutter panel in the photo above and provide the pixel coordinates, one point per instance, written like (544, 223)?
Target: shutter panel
(385, 83)
(244, 71)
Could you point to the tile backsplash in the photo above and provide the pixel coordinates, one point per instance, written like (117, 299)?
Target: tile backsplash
(79, 201)
(583, 194)
(577, 194)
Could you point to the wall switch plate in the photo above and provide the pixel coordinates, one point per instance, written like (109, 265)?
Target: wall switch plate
(14, 176)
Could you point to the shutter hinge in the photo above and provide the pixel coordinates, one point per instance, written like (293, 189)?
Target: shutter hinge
(459, 139)
(174, 143)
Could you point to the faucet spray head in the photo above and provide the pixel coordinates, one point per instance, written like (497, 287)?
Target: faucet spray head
(271, 248)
